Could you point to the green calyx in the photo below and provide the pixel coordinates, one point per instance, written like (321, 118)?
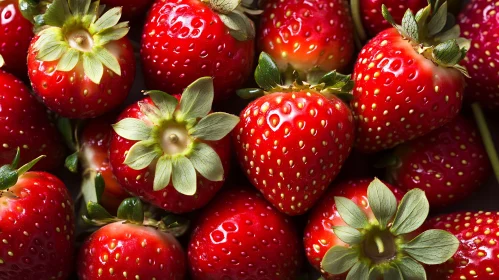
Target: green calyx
(33, 10)
(231, 13)
(75, 32)
(9, 173)
(434, 34)
(380, 247)
(175, 136)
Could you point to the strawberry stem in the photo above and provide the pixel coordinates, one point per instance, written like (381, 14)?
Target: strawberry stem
(486, 137)
(357, 21)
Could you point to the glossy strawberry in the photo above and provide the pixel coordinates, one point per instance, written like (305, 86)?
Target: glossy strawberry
(37, 225)
(131, 9)
(400, 94)
(476, 257)
(25, 124)
(292, 142)
(240, 236)
(86, 68)
(308, 35)
(448, 164)
(369, 234)
(159, 138)
(188, 39)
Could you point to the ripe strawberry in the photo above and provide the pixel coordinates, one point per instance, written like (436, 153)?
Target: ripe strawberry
(292, 142)
(131, 9)
(373, 235)
(86, 68)
(307, 36)
(184, 40)
(25, 124)
(240, 236)
(159, 137)
(476, 257)
(406, 87)
(448, 163)
(480, 24)
(37, 224)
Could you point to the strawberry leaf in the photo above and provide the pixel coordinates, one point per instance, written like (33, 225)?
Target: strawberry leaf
(131, 210)
(359, 271)
(57, 13)
(97, 214)
(92, 67)
(107, 20)
(184, 176)
(215, 126)
(411, 269)
(112, 34)
(267, 74)
(393, 273)
(165, 102)
(68, 60)
(382, 201)
(196, 99)
(224, 6)
(141, 155)
(92, 187)
(350, 212)
(339, 259)
(411, 213)
(109, 60)
(432, 246)
(348, 234)
(207, 162)
(163, 173)
(132, 129)
(438, 20)
(410, 26)
(240, 26)
(79, 7)
(52, 51)
(152, 112)
(71, 162)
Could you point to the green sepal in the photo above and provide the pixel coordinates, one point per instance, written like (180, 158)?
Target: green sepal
(224, 6)
(165, 102)
(9, 174)
(131, 210)
(52, 51)
(350, 212)
(184, 176)
(112, 34)
(339, 259)
(410, 26)
(411, 269)
(92, 67)
(250, 93)
(359, 271)
(29, 9)
(57, 13)
(107, 20)
(132, 129)
(153, 114)
(374, 273)
(438, 20)
(163, 173)
(107, 59)
(142, 154)
(207, 162)
(68, 60)
(66, 129)
(267, 74)
(239, 25)
(393, 273)
(432, 246)
(382, 201)
(71, 162)
(196, 99)
(214, 126)
(97, 215)
(92, 187)
(348, 234)
(79, 7)
(411, 213)
(174, 224)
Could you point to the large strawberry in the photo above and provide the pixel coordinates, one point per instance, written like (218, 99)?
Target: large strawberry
(374, 236)
(188, 39)
(407, 80)
(477, 255)
(292, 141)
(240, 236)
(25, 124)
(309, 36)
(131, 9)
(159, 138)
(448, 163)
(37, 224)
(81, 64)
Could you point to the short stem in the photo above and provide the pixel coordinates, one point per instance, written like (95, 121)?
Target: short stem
(486, 138)
(357, 21)
(379, 244)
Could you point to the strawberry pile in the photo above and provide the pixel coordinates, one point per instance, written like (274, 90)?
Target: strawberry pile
(240, 139)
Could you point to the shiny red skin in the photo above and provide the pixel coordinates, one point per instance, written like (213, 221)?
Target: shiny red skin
(15, 36)
(307, 34)
(94, 151)
(319, 236)
(448, 163)
(399, 94)
(372, 19)
(476, 257)
(139, 252)
(479, 23)
(184, 40)
(292, 145)
(25, 124)
(132, 9)
(168, 198)
(37, 229)
(72, 94)
(240, 236)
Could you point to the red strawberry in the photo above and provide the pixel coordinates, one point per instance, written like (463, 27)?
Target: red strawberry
(448, 164)
(406, 87)
(160, 138)
(82, 71)
(184, 40)
(25, 124)
(240, 236)
(37, 225)
(308, 35)
(292, 142)
(369, 234)
(476, 257)
(131, 9)
(480, 24)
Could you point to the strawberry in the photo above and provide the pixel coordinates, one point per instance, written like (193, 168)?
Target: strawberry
(15, 36)
(476, 257)
(240, 236)
(131, 9)
(448, 164)
(81, 65)
(292, 142)
(480, 24)
(373, 235)
(25, 124)
(184, 40)
(159, 138)
(308, 37)
(37, 224)
(408, 85)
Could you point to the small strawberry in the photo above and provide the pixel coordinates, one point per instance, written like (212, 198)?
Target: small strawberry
(184, 40)
(373, 235)
(25, 124)
(131, 8)
(476, 257)
(37, 224)
(307, 36)
(448, 164)
(408, 85)
(81, 64)
(160, 138)
(240, 236)
(293, 141)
